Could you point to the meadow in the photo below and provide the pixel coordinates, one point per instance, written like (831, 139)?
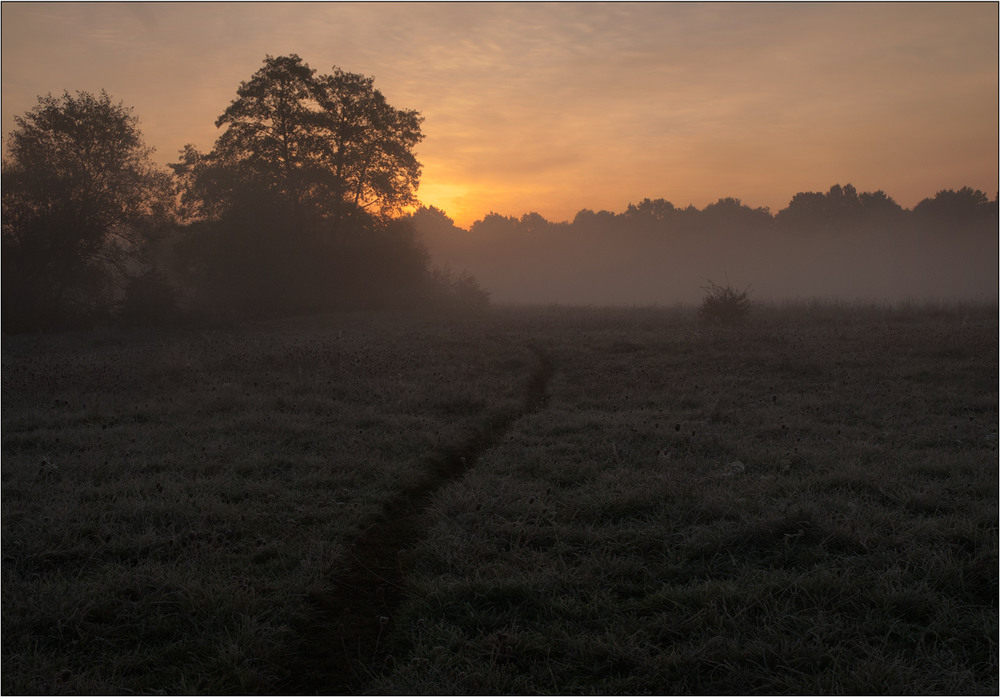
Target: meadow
(547, 500)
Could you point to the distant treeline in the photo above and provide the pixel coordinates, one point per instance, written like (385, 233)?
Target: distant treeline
(301, 206)
(838, 244)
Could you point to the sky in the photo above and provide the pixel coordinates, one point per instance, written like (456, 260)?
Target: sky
(557, 107)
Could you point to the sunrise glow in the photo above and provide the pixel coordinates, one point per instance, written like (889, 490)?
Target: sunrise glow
(558, 107)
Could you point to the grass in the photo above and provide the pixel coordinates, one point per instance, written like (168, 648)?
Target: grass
(171, 500)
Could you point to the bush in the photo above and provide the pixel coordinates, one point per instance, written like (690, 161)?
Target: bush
(460, 293)
(724, 303)
(468, 295)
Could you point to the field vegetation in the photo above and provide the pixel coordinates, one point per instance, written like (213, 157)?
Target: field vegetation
(803, 502)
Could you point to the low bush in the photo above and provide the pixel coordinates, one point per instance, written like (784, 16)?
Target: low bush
(724, 303)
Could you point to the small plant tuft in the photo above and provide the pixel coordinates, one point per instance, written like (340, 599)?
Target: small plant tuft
(724, 303)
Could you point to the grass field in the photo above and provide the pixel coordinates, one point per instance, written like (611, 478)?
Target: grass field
(803, 503)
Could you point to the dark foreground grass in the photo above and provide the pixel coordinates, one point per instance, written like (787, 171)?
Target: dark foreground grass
(169, 500)
(806, 503)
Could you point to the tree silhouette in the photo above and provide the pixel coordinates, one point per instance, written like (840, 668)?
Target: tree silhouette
(81, 203)
(729, 214)
(841, 208)
(328, 147)
(494, 226)
(532, 224)
(656, 210)
(806, 210)
(272, 134)
(963, 207)
(293, 206)
(368, 145)
(586, 218)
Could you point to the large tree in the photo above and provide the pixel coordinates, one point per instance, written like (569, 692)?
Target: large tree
(292, 206)
(272, 134)
(842, 208)
(326, 146)
(369, 145)
(950, 209)
(81, 201)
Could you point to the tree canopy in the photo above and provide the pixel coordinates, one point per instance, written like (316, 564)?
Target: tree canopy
(329, 147)
(81, 201)
(294, 204)
(963, 207)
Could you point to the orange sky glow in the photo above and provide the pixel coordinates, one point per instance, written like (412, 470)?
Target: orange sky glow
(558, 107)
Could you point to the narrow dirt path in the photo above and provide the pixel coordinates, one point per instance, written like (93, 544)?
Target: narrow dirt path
(353, 617)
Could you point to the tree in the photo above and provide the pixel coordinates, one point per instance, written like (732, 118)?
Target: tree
(656, 210)
(292, 206)
(838, 207)
(878, 208)
(368, 146)
(272, 137)
(967, 206)
(841, 208)
(494, 226)
(81, 204)
(806, 210)
(327, 146)
(532, 224)
(586, 218)
(729, 214)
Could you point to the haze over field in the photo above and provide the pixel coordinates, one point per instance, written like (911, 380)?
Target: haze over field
(549, 109)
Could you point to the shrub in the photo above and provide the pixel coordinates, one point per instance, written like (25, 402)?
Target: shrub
(460, 293)
(467, 294)
(724, 303)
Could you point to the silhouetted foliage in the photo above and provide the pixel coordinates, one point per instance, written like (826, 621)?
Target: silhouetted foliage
(656, 210)
(272, 137)
(494, 225)
(456, 292)
(842, 207)
(842, 243)
(951, 208)
(297, 208)
(432, 223)
(293, 208)
(729, 214)
(724, 303)
(460, 292)
(588, 218)
(82, 203)
(328, 145)
(532, 224)
(369, 144)
(877, 208)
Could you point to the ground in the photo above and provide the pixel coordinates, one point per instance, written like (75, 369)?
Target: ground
(551, 500)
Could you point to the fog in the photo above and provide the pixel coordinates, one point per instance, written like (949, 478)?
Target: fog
(638, 257)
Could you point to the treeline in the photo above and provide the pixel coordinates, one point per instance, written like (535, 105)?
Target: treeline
(296, 208)
(839, 244)
(301, 206)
